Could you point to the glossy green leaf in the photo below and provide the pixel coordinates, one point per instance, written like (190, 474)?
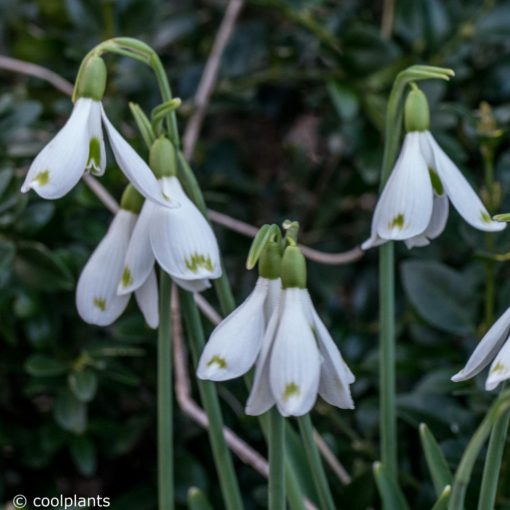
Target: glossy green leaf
(70, 413)
(83, 453)
(83, 384)
(40, 365)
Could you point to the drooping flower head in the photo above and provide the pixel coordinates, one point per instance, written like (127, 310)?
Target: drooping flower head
(494, 349)
(97, 299)
(182, 241)
(299, 359)
(413, 206)
(235, 344)
(278, 330)
(79, 145)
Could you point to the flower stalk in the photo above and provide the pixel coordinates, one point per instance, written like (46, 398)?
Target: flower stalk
(276, 442)
(393, 128)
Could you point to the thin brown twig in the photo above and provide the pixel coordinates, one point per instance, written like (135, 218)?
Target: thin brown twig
(335, 465)
(387, 19)
(183, 395)
(19, 66)
(209, 76)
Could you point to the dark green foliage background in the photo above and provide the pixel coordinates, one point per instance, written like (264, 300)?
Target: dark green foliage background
(294, 130)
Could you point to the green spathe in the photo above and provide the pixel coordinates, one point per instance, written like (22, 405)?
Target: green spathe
(416, 114)
(162, 158)
(131, 200)
(293, 268)
(91, 80)
(270, 261)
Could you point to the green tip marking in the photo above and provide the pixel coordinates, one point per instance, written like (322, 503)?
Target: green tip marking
(42, 178)
(127, 277)
(485, 217)
(436, 182)
(397, 222)
(498, 367)
(291, 390)
(221, 362)
(94, 160)
(198, 261)
(100, 303)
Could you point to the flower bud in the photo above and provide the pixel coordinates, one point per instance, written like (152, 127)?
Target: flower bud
(416, 114)
(131, 200)
(270, 261)
(162, 158)
(293, 268)
(91, 80)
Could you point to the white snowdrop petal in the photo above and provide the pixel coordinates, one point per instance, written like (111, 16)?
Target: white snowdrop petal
(335, 374)
(236, 342)
(405, 206)
(147, 298)
(261, 397)
(134, 167)
(192, 285)
(486, 349)
(182, 240)
(96, 163)
(273, 297)
(500, 368)
(139, 261)
(459, 191)
(373, 241)
(436, 226)
(96, 293)
(294, 369)
(61, 163)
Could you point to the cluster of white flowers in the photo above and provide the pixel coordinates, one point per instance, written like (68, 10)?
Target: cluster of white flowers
(278, 331)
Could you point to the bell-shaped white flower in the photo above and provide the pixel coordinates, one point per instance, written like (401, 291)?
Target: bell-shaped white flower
(493, 348)
(299, 360)
(182, 242)
(97, 300)
(79, 146)
(413, 206)
(235, 343)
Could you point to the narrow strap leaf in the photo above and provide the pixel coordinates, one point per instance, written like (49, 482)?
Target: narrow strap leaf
(197, 500)
(444, 498)
(436, 462)
(390, 492)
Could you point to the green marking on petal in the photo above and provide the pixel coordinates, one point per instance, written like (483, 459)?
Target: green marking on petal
(127, 277)
(100, 303)
(42, 178)
(498, 368)
(436, 182)
(197, 261)
(291, 390)
(221, 362)
(485, 217)
(397, 222)
(94, 160)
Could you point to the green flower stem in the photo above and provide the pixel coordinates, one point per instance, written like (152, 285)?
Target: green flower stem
(165, 397)
(276, 460)
(393, 129)
(315, 463)
(488, 491)
(463, 474)
(210, 401)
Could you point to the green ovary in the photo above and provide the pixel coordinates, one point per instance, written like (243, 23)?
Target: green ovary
(197, 261)
(291, 390)
(218, 360)
(100, 303)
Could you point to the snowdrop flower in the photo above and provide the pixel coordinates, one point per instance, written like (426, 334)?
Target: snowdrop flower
(299, 359)
(179, 239)
(413, 206)
(235, 343)
(96, 293)
(493, 348)
(79, 146)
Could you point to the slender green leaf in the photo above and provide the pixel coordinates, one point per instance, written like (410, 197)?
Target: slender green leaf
(436, 462)
(197, 500)
(390, 493)
(444, 498)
